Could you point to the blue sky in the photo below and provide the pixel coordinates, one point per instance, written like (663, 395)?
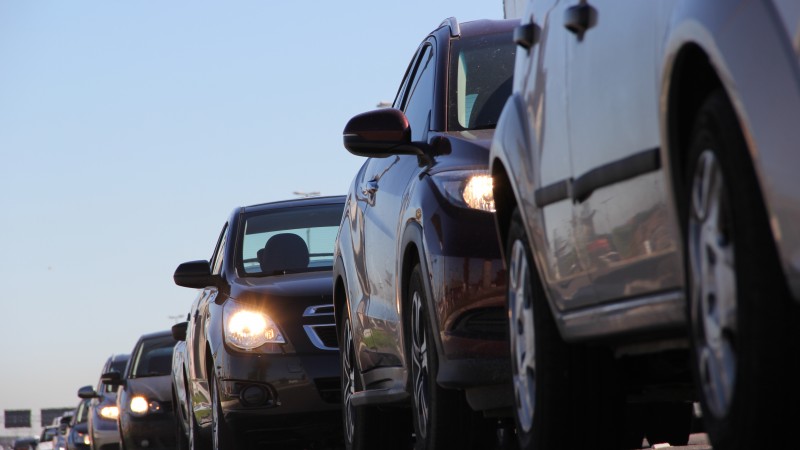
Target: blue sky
(130, 129)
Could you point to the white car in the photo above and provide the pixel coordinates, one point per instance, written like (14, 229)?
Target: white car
(645, 177)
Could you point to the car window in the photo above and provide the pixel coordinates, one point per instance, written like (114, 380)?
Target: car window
(420, 95)
(153, 357)
(290, 240)
(81, 414)
(216, 259)
(481, 72)
(117, 365)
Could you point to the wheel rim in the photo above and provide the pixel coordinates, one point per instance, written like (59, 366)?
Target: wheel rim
(713, 285)
(522, 335)
(419, 359)
(348, 379)
(215, 416)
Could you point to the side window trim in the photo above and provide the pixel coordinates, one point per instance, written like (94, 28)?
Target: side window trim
(216, 258)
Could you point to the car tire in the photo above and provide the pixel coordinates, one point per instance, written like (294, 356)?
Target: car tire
(739, 307)
(669, 423)
(566, 396)
(442, 418)
(366, 427)
(221, 432)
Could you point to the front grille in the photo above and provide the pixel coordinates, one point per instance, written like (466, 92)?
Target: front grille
(323, 336)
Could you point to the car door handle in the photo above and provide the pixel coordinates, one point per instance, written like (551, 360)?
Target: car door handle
(580, 18)
(526, 35)
(370, 188)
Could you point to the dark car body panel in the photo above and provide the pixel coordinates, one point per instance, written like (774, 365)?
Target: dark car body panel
(301, 378)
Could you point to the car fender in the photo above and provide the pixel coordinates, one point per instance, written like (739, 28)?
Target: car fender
(715, 27)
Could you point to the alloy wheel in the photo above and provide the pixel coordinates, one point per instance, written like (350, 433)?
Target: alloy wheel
(522, 335)
(348, 381)
(713, 284)
(419, 359)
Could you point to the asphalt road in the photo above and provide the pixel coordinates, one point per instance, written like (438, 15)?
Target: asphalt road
(698, 441)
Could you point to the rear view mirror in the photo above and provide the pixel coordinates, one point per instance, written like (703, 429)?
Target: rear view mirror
(112, 379)
(179, 331)
(194, 274)
(87, 392)
(380, 133)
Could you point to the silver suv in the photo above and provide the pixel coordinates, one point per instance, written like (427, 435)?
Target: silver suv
(647, 203)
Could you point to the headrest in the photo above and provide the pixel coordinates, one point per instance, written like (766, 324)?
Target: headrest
(285, 251)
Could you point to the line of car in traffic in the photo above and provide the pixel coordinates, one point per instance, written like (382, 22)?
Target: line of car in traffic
(568, 229)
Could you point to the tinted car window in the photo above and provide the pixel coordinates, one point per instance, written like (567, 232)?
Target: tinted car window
(275, 241)
(480, 80)
(153, 358)
(82, 413)
(420, 96)
(116, 366)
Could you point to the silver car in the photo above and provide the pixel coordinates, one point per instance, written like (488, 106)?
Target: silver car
(647, 203)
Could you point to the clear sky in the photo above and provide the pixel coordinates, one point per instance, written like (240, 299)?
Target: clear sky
(129, 130)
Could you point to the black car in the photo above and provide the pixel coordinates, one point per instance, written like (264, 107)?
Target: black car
(103, 411)
(261, 363)
(78, 432)
(146, 419)
(420, 288)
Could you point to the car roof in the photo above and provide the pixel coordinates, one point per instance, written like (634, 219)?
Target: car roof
(310, 201)
(157, 334)
(477, 27)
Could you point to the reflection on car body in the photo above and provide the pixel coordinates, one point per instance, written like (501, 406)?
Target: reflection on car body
(640, 175)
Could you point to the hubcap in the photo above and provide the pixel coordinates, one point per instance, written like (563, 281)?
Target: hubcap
(713, 284)
(348, 380)
(522, 335)
(419, 359)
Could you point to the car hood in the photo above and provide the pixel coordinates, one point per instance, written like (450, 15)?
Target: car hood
(308, 284)
(468, 150)
(153, 388)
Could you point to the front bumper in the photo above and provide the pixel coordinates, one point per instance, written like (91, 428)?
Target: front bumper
(270, 385)
(151, 432)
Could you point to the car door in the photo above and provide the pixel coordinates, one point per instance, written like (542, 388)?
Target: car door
(540, 78)
(387, 185)
(622, 229)
(196, 340)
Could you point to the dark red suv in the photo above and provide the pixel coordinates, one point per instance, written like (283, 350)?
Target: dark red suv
(419, 285)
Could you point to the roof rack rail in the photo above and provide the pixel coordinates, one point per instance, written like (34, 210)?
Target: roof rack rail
(455, 28)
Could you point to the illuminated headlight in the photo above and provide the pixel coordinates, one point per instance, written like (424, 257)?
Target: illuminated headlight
(84, 438)
(109, 412)
(140, 406)
(248, 329)
(467, 188)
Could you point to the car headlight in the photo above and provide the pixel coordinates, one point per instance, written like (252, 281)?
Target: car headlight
(140, 406)
(109, 412)
(466, 188)
(83, 438)
(248, 328)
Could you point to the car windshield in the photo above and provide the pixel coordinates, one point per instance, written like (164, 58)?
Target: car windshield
(153, 357)
(481, 72)
(290, 240)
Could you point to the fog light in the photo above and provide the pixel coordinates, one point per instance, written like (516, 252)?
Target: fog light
(255, 395)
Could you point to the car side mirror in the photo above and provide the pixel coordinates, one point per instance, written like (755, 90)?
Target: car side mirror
(112, 379)
(87, 392)
(194, 274)
(179, 331)
(380, 133)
